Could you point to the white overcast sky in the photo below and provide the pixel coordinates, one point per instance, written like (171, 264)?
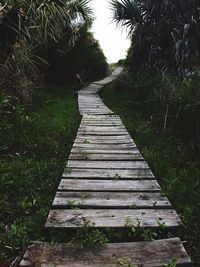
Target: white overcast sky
(113, 40)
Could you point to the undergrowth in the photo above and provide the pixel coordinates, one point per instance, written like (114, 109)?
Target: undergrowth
(35, 142)
(169, 145)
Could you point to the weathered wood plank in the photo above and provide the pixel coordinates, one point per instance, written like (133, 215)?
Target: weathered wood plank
(102, 117)
(103, 124)
(85, 155)
(96, 108)
(96, 112)
(115, 139)
(105, 146)
(110, 200)
(113, 218)
(107, 164)
(142, 174)
(105, 133)
(104, 139)
(131, 151)
(109, 185)
(103, 120)
(102, 128)
(111, 141)
(156, 253)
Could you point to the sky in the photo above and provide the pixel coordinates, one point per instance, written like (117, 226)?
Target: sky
(113, 40)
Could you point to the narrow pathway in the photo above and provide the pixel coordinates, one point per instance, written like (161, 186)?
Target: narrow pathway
(112, 186)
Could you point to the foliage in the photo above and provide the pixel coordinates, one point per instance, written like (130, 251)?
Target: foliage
(173, 154)
(172, 263)
(84, 61)
(31, 27)
(42, 22)
(168, 101)
(35, 141)
(88, 236)
(123, 262)
(165, 34)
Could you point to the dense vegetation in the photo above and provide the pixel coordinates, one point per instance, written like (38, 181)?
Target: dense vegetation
(39, 38)
(168, 145)
(35, 142)
(160, 101)
(46, 53)
(165, 34)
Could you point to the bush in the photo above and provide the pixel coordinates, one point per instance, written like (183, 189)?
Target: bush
(35, 142)
(170, 101)
(85, 59)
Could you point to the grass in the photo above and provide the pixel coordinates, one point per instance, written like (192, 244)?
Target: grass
(171, 158)
(36, 141)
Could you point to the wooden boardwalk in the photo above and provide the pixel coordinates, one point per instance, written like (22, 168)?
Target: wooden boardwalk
(107, 183)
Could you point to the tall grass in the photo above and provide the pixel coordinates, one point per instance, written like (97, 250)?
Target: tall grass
(35, 141)
(168, 140)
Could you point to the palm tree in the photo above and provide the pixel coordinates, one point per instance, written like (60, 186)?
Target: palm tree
(47, 20)
(165, 31)
(31, 26)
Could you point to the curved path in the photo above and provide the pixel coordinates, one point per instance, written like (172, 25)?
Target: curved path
(107, 184)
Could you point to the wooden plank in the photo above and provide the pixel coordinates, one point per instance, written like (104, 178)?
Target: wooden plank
(95, 112)
(102, 117)
(102, 131)
(131, 151)
(105, 146)
(110, 200)
(97, 108)
(104, 124)
(102, 128)
(105, 133)
(102, 120)
(142, 174)
(156, 253)
(107, 164)
(84, 155)
(109, 185)
(88, 139)
(112, 141)
(114, 218)
(126, 147)
(115, 139)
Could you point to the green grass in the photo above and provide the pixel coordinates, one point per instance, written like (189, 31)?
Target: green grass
(35, 141)
(173, 162)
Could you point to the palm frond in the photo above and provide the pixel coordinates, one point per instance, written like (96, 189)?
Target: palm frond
(48, 20)
(127, 13)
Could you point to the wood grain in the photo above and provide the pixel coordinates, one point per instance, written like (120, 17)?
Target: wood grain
(156, 253)
(142, 174)
(111, 200)
(114, 218)
(109, 185)
(107, 164)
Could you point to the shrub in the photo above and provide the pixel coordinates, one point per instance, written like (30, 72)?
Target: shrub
(85, 60)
